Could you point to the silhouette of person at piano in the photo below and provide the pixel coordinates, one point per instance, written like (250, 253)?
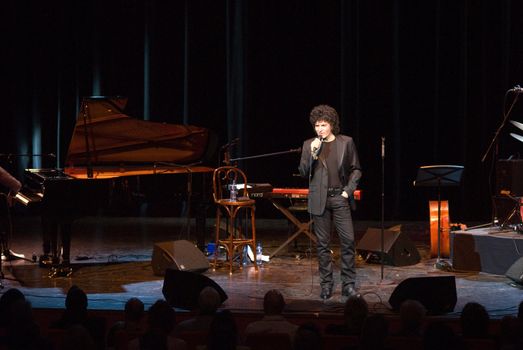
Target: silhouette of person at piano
(9, 187)
(9, 184)
(330, 162)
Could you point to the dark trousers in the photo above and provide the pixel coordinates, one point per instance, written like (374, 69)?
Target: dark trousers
(337, 211)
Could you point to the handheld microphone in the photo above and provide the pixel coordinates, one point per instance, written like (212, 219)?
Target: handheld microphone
(316, 146)
(316, 152)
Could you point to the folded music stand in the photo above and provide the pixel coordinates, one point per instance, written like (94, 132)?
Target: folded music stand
(439, 175)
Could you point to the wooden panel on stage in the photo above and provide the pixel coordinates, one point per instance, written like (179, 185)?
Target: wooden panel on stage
(444, 226)
(487, 250)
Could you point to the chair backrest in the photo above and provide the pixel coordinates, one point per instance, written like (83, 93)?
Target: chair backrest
(224, 177)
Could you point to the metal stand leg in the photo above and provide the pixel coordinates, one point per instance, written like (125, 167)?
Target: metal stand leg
(516, 211)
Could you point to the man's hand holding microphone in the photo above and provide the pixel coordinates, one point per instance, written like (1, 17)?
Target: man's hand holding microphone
(316, 145)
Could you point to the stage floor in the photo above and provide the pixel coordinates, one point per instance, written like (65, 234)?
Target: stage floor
(112, 262)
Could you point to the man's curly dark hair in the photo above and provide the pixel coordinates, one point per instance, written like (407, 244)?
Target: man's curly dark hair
(328, 114)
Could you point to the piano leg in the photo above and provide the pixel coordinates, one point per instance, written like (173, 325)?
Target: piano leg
(65, 235)
(49, 240)
(200, 224)
(56, 237)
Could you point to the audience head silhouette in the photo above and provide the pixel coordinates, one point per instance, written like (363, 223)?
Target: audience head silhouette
(273, 302)
(474, 320)
(7, 300)
(223, 333)
(22, 331)
(134, 309)
(412, 314)
(208, 301)
(161, 317)
(76, 299)
(355, 312)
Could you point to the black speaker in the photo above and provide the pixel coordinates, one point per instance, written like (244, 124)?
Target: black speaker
(508, 177)
(398, 249)
(515, 271)
(181, 255)
(437, 294)
(182, 288)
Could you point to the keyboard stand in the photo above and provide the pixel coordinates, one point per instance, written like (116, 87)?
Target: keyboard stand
(303, 227)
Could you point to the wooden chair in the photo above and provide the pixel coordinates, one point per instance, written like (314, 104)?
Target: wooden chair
(235, 240)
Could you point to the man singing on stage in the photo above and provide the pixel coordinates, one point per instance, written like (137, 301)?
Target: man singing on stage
(331, 164)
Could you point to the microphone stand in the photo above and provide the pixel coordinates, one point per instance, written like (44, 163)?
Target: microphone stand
(494, 139)
(496, 135)
(85, 113)
(227, 151)
(382, 255)
(11, 155)
(295, 150)
(189, 189)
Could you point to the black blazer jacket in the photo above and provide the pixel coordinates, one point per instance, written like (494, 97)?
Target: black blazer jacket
(349, 171)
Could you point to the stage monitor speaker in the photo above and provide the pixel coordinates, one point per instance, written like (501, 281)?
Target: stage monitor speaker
(515, 271)
(437, 294)
(508, 177)
(398, 249)
(180, 255)
(182, 288)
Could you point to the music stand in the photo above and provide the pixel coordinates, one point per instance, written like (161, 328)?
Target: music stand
(439, 175)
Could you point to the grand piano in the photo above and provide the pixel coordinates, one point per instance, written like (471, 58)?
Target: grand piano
(113, 157)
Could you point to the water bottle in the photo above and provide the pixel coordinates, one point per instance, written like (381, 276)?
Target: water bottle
(245, 255)
(259, 253)
(209, 250)
(233, 192)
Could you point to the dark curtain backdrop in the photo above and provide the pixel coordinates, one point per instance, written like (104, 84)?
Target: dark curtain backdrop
(428, 76)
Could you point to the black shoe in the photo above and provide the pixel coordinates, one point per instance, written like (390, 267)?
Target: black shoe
(349, 291)
(326, 293)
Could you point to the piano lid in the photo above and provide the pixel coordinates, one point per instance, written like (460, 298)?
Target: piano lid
(106, 135)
